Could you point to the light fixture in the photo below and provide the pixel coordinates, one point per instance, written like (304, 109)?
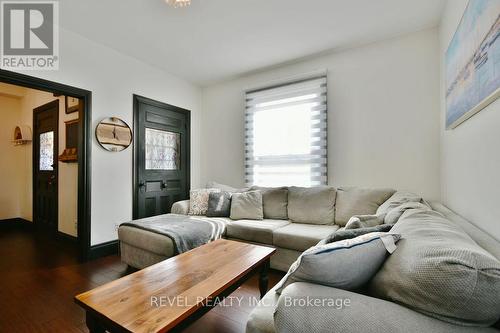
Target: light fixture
(178, 3)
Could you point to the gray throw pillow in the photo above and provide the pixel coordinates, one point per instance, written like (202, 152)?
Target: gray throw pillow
(358, 201)
(274, 201)
(352, 233)
(439, 270)
(348, 264)
(219, 204)
(312, 205)
(247, 205)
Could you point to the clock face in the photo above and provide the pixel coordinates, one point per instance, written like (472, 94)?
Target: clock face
(113, 134)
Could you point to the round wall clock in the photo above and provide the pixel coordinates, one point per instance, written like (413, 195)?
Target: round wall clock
(113, 134)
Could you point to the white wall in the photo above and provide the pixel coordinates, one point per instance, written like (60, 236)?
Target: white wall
(113, 78)
(10, 173)
(470, 160)
(383, 116)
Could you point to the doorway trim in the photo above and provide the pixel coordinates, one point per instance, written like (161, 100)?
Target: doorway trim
(84, 147)
(35, 167)
(135, 177)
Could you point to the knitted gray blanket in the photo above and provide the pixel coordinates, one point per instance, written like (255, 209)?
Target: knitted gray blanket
(186, 232)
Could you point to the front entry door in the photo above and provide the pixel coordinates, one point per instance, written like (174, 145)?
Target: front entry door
(45, 148)
(161, 156)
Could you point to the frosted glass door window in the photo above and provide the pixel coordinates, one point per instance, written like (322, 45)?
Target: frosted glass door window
(47, 151)
(162, 150)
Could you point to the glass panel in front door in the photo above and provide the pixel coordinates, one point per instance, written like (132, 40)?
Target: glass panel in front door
(47, 151)
(162, 150)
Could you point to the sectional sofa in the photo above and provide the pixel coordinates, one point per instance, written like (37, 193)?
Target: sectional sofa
(443, 277)
(309, 215)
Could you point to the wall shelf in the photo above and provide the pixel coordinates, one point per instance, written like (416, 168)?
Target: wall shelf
(22, 135)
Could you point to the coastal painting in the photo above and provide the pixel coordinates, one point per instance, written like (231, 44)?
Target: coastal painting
(473, 62)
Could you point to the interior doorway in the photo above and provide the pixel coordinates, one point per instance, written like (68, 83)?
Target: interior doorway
(42, 210)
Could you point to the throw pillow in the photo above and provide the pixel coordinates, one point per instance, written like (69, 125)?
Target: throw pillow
(352, 233)
(358, 201)
(312, 205)
(348, 264)
(219, 204)
(364, 221)
(274, 202)
(439, 270)
(247, 205)
(198, 200)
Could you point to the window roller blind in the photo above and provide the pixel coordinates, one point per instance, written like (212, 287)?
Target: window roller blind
(286, 134)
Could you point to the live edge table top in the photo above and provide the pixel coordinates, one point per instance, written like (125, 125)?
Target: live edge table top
(182, 283)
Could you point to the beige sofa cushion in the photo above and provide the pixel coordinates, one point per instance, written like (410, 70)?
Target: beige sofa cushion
(254, 231)
(358, 201)
(247, 205)
(440, 271)
(300, 237)
(311, 205)
(274, 201)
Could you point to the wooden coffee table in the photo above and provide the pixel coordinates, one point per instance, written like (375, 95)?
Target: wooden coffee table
(171, 294)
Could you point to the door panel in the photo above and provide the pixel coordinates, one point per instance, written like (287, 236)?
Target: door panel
(161, 162)
(45, 168)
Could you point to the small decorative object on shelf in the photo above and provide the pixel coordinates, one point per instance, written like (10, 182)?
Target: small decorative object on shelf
(70, 154)
(22, 135)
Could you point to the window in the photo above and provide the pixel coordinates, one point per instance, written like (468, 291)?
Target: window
(47, 151)
(285, 134)
(162, 150)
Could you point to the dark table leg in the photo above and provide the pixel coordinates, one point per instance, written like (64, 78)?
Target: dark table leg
(93, 323)
(263, 279)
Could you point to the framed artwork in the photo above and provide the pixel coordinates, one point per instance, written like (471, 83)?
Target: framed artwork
(73, 104)
(473, 62)
(113, 134)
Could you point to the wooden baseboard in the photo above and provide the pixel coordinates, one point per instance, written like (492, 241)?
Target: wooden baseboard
(104, 249)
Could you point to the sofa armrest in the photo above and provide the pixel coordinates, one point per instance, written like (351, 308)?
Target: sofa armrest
(307, 307)
(180, 207)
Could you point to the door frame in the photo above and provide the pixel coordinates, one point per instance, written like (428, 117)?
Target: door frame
(135, 178)
(34, 168)
(84, 147)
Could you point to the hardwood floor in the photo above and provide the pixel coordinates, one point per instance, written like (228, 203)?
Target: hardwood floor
(39, 276)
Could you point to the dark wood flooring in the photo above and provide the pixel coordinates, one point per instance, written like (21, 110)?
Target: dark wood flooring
(39, 276)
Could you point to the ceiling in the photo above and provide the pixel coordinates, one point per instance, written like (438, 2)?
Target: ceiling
(212, 40)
